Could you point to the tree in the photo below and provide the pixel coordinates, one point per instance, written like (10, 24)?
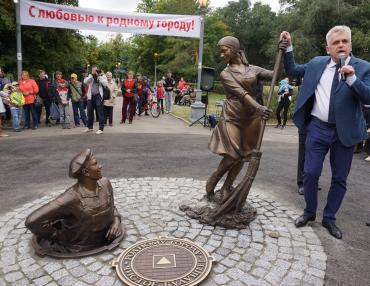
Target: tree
(43, 48)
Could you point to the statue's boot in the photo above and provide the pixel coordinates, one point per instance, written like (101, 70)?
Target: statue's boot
(227, 187)
(216, 176)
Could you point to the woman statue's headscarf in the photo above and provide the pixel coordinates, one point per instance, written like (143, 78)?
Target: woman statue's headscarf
(234, 45)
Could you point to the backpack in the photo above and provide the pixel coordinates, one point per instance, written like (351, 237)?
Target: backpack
(212, 120)
(106, 92)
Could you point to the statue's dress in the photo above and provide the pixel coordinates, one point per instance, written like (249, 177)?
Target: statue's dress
(237, 132)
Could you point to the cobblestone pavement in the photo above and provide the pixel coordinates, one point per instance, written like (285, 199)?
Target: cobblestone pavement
(149, 208)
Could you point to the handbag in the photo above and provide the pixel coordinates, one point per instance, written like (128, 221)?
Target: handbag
(39, 101)
(106, 92)
(78, 92)
(54, 112)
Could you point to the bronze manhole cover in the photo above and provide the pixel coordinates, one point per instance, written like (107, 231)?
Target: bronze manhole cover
(163, 262)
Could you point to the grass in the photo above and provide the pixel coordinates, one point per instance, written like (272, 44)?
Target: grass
(185, 111)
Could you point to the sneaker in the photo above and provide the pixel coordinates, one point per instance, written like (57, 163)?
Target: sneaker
(88, 130)
(99, 132)
(367, 159)
(282, 127)
(277, 126)
(4, 135)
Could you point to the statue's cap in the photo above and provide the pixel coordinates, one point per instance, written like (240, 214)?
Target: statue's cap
(231, 42)
(78, 163)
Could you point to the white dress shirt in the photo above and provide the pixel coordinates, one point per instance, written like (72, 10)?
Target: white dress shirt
(322, 93)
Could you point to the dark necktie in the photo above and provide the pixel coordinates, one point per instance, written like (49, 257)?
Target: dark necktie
(331, 117)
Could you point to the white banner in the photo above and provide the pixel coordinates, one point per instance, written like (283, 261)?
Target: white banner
(34, 13)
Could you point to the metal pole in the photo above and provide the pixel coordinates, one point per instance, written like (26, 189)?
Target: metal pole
(198, 107)
(200, 52)
(155, 73)
(19, 39)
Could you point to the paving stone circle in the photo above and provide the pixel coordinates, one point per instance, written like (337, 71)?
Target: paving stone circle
(271, 251)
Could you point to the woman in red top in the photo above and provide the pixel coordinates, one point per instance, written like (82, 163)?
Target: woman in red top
(29, 88)
(128, 92)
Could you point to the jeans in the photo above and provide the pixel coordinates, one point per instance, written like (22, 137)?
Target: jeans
(168, 98)
(45, 102)
(28, 110)
(64, 115)
(95, 103)
(79, 106)
(16, 117)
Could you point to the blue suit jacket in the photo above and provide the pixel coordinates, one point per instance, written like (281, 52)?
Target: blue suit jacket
(348, 101)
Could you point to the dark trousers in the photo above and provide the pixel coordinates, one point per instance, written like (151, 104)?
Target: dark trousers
(30, 109)
(160, 103)
(284, 103)
(128, 101)
(79, 111)
(46, 103)
(321, 139)
(96, 104)
(108, 113)
(301, 147)
(367, 118)
(142, 101)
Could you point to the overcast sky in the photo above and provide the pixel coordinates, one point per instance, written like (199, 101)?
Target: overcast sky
(130, 6)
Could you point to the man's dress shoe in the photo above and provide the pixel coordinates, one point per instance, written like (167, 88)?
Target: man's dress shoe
(333, 229)
(303, 220)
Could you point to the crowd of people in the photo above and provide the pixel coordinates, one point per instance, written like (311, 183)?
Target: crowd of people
(92, 99)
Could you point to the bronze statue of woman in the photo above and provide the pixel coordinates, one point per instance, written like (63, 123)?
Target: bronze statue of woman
(236, 134)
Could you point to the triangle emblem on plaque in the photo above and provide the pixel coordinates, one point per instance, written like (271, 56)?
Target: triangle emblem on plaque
(163, 261)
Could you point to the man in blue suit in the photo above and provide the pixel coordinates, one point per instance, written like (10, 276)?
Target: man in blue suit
(329, 107)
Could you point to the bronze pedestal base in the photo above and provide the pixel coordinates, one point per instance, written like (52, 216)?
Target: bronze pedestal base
(205, 214)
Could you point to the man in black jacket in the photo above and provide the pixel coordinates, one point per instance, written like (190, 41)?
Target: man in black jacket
(44, 85)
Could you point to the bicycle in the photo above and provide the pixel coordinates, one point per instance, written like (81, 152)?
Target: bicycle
(153, 105)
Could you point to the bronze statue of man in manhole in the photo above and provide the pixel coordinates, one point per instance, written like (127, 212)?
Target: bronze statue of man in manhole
(83, 220)
(163, 261)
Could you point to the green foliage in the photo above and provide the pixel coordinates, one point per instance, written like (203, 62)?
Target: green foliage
(218, 87)
(42, 48)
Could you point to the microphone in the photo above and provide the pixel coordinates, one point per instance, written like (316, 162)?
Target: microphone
(342, 60)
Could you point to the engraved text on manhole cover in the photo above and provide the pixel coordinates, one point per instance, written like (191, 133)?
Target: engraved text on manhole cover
(163, 262)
